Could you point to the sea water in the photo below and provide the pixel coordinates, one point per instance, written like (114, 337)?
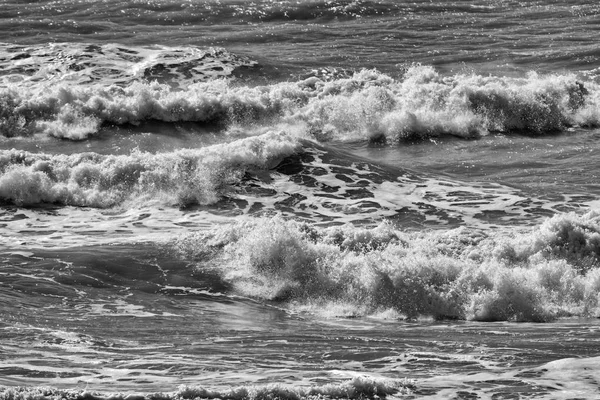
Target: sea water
(299, 199)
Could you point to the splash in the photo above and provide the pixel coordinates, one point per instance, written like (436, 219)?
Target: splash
(194, 176)
(357, 388)
(550, 271)
(368, 105)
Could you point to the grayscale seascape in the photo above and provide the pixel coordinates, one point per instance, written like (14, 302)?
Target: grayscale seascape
(312, 199)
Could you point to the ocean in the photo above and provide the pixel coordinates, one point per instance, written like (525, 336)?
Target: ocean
(299, 199)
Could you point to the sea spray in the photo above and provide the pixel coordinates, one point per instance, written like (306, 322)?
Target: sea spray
(188, 176)
(78, 112)
(462, 273)
(360, 387)
(369, 105)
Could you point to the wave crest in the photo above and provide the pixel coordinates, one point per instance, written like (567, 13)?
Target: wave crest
(366, 106)
(198, 176)
(462, 273)
(360, 387)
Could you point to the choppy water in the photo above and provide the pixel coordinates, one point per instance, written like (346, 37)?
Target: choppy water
(299, 199)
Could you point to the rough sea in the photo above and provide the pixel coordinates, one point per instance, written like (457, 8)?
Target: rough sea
(299, 199)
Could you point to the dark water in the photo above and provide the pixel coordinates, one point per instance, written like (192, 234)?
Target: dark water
(299, 199)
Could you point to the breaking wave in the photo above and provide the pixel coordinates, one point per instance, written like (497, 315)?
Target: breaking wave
(367, 105)
(357, 388)
(192, 176)
(550, 271)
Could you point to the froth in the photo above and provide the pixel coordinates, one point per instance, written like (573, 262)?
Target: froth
(538, 275)
(83, 64)
(77, 112)
(426, 104)
(359, 387)
(198, 176)
(365, 106)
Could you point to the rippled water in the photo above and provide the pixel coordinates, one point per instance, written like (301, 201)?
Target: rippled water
(294, 199)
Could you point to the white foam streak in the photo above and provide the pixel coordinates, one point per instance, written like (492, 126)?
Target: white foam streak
(84, 64)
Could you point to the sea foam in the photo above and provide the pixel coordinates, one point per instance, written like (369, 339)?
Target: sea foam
(547, 272)
(82, 64)
(192, 176)
(368, 105)
(360, 387)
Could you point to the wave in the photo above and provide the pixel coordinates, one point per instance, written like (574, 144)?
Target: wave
(549, 271)
(276, 172)
(193, 176)
(273, 173)
(167, 13)
(357, 388)
(368, 105)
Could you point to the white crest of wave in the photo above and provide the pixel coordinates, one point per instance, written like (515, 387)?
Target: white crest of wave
(189, 176)
(367, 105)
(550, 271)
(427, 104)
(360, 387)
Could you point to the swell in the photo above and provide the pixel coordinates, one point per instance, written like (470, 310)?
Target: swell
(86, 273)
(551, 270)
(167, 13)
(367, 105)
